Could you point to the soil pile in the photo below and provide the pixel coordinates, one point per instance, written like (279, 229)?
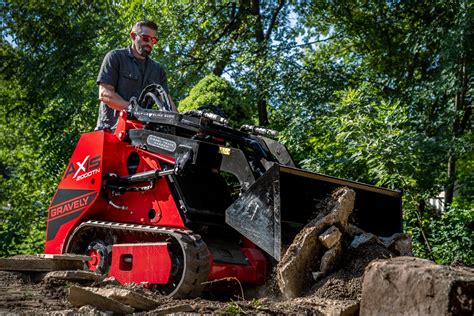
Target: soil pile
(346, 282)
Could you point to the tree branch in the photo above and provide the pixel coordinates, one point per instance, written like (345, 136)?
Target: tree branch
(306, 44)
(277, 10)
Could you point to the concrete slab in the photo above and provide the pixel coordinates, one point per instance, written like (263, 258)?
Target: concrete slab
(75, 275)
(184, 308)
(129, 297)
(35, 263)
(80, 296)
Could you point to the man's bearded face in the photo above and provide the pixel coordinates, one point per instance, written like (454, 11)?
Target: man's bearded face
(142, 47)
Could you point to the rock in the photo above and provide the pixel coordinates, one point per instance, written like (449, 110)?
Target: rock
(413, 286)
(108, 281)
(317, 275)
(344, 203)
(301, 258)
(330, 258)
(80, 296)
(183, 308)
(330, 237)
(349, 309)
(128, 297)
(43, 263)
(75, 275)
(297, 262)
(366, 238)
(352, 230)
(92, 311)
(66, 312)
(399, 244)
(330, 307)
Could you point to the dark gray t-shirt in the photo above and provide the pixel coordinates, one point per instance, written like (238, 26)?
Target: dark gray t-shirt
(129, 77)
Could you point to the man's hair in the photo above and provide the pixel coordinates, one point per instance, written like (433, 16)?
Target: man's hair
(138, 26)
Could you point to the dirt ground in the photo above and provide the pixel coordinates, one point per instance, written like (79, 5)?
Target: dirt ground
(346, 282)
(33, 294)
(22, 293)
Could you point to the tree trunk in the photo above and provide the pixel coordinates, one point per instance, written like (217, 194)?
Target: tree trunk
(259, 84)
(262, 111)
(262, 38)
(449, 190)
(463, 114)
(221, 64)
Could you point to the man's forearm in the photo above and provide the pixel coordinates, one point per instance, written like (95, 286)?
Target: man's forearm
(108, 96)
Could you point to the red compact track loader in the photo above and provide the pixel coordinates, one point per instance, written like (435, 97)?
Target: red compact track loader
(172, 200)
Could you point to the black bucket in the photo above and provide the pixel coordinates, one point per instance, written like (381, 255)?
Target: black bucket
(282, 201)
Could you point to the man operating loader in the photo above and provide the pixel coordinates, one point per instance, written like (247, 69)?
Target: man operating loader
(126, 72)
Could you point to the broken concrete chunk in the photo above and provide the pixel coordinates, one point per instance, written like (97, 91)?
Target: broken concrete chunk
(403, 246)
(80, 296)
(317, 275)
(398, 243)
(330, 258)
(364, 239)
(65, 312)
(75, 275)
(42, 263)
(108, 281)
(184, 308)
(301, 258)
(91, 310)
(128, 297)
(343, 205)
(413, 286)
(345, 198)
(353, 230)
(330, 237)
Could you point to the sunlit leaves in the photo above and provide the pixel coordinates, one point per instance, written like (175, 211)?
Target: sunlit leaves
(216, 91)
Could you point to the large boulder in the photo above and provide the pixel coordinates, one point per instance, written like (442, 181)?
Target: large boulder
(413, 286)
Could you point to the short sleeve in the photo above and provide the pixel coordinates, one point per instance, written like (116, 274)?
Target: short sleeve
(109, 70)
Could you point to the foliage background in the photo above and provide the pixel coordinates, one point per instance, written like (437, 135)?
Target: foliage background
(373, 91)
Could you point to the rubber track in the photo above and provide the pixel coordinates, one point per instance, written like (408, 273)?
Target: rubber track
(196, 265)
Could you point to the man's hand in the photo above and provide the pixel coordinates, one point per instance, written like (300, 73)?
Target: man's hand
(108, 96)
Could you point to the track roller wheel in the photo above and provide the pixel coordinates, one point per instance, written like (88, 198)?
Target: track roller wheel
(100, 255)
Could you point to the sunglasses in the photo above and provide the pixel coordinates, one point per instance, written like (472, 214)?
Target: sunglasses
(148, 38)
